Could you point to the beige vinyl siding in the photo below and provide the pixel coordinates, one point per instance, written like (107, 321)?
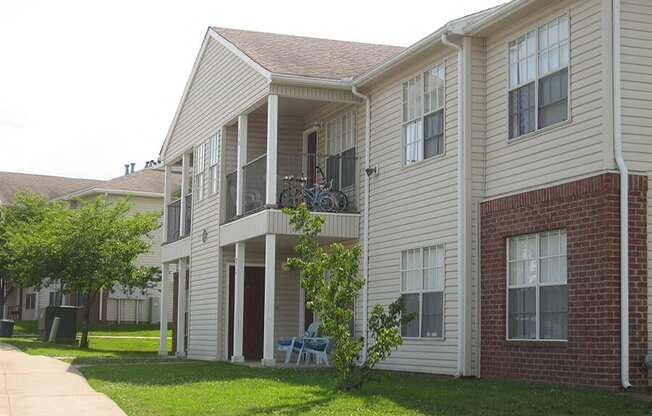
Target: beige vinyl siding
(320, 116)
(223, 87)
(569, 150)
(410, 207)
(478, 132)
(636, 65)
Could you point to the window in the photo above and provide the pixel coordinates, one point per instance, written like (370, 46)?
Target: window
(199, 164)
(423, 115)
(340, 143)
(213, 161)
(30, 301)
(538, 78)
(537, 301)
(55, 299)
(422, 289)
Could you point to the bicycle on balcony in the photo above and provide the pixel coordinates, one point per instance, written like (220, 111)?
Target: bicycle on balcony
(320, 197)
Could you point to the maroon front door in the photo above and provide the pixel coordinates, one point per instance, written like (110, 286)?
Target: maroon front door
(254, 301)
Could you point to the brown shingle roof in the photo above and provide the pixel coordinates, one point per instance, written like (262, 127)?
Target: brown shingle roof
(310, 57)
(47, 186)
(146, 180)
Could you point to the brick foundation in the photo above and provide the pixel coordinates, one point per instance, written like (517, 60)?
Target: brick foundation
(589, 211)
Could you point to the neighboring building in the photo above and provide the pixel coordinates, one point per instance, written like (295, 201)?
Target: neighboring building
(484, 187)
(145, 189)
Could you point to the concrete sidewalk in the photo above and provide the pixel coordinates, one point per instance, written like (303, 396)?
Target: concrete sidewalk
(42, 386)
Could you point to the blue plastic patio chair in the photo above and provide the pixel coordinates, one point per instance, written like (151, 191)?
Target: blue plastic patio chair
(295, 344)
(318, 347)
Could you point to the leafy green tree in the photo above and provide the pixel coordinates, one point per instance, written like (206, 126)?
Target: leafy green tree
(27, 214)
(331, 282)
(93, 247)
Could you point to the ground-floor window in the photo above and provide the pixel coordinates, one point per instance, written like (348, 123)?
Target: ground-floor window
(422, 288)
(537, 301)
(30, 301)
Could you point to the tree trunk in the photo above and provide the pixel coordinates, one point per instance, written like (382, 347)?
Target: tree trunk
(90, 300)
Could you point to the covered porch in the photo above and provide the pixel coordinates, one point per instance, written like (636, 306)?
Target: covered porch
(264, 298)
(288, 145)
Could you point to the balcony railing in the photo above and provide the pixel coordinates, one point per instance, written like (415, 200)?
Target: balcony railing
(174, 219)
(325, 183)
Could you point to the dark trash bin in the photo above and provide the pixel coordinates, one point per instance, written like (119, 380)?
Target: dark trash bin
(6, 328)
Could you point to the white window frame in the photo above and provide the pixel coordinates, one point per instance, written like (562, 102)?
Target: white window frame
(199, 169)
(439, 248)
(214, 144)
(538, 285)
(419, 118)
(538, 77)
(338, 125)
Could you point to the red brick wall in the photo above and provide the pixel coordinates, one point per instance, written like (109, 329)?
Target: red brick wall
(588, 210)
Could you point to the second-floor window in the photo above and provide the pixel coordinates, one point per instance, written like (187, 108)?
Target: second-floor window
(423, 102)
(340, 143)
(213, 161)
(199, 164)
(538, 78)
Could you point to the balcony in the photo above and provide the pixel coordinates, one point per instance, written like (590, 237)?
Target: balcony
(324, 183)
(174, 219)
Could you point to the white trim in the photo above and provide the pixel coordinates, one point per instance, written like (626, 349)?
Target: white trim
(123, 192)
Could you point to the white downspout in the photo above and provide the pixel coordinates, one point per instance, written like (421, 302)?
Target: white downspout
(624, 201)
(461, 211)
(365, 220)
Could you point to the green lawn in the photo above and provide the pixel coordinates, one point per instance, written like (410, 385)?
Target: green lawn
(132, 330)
(100, 350)
(193, 388)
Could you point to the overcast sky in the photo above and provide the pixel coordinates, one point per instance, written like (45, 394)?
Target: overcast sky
(87, 86)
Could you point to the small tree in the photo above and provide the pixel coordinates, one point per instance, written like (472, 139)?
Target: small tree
(88, 249)
(332, 284)
(23, 265)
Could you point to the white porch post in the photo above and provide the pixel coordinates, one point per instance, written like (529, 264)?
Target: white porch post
(270, 284)
(181, 306)
(272, 147)
(163, 347)
(185, 164)
(238, 302)
(242, 161)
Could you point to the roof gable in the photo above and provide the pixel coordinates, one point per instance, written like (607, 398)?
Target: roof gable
(306, 56)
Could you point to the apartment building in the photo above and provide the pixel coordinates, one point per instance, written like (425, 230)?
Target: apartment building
(491, 171)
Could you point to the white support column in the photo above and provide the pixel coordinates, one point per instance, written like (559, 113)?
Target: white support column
(272, 147)
(163, 347)
(185, 167)
(101, 318)
(242, 161)
(270, 285)
(238, 302)
(181, 307)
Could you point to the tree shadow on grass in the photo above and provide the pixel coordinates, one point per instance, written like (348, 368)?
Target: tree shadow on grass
(302, 391)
